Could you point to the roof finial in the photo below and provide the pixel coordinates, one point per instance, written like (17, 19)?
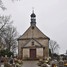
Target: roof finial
(32, 9)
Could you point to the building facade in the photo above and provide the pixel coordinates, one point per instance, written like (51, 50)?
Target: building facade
(33, 44)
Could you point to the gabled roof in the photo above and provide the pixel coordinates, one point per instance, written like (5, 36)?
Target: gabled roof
(33, 33)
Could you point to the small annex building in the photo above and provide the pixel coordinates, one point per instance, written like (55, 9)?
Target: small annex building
(33, 44)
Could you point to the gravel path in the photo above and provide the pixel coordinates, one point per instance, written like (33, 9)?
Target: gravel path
(30, 64)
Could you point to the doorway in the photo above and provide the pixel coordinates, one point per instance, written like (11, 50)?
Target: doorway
(32, 53)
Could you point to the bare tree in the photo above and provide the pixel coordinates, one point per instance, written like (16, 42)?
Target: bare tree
(8, 33)
(2, 5)
(10, 36)
(3, 23)
(53, 46)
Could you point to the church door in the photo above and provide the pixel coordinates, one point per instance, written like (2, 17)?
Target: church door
(32, 53)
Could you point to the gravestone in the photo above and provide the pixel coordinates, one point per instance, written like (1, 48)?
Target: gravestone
(2, 65)
(54, 63)
(5, 59)
(11, 60)
(61, 62)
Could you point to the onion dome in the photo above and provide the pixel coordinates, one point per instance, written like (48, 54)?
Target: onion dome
(33, 15)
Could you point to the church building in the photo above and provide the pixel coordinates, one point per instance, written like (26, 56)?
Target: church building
(33, 44)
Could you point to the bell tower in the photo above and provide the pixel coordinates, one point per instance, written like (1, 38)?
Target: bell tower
(33, 19)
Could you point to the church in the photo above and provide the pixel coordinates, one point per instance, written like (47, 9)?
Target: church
(33, 44)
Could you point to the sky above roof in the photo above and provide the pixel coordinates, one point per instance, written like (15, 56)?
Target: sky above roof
(51, 18)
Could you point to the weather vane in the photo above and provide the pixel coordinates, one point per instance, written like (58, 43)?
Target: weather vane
(32, 9)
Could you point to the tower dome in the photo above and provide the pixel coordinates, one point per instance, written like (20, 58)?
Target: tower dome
(33, 15)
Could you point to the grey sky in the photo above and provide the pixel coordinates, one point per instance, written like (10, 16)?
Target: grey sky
(51, 17)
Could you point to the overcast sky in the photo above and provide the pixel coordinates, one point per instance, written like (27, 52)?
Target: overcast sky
(51, 18)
